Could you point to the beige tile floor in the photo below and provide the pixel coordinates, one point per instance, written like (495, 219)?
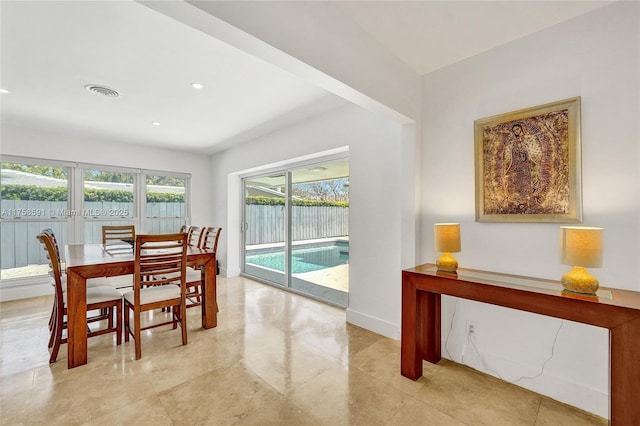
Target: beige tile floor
(275, 359)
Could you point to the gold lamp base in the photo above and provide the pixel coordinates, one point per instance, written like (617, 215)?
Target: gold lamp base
(579, 280)
(447, 263)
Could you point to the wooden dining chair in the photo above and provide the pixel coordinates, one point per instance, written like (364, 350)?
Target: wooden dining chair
(193, 235)
(104, 299)
(91, 282)
(118, 233)
(160, 261)
(208, 241)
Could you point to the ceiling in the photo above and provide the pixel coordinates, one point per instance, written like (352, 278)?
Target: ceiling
(52, 49)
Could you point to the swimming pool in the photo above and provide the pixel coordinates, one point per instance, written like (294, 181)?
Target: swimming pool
(302, 259)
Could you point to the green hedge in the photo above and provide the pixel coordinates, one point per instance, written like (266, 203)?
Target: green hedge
(33, 193)
(36, 193)
(279, 201)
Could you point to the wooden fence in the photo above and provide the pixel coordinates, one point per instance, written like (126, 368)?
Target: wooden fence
(265, 224)
(19, 246)
(18, 243)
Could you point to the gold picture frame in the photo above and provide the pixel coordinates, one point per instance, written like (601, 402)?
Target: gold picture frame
(528, 165)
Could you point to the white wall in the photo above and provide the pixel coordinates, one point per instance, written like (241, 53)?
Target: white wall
(596, 57)
(42, 142)
(375, 153)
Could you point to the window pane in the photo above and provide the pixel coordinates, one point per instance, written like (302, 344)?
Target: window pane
(108, 195)
(165, 197)
(34, 197)
(33, 192)
(108, 200)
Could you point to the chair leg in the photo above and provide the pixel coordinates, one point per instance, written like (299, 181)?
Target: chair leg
(119, 324)
(136, 332)
(127, 326)
(52, 327)
(59, 325)
(52, 317)
(183, 322)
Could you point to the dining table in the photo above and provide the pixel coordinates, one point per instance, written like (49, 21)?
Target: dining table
(85, 261)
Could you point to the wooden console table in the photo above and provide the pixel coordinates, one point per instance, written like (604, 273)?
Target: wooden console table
(616, 310)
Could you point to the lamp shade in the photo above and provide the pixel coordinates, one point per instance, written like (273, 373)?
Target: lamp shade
(581, 246)
(447, 237)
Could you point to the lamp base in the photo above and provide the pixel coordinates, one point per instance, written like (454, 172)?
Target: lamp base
(578, 280)
(447, 263)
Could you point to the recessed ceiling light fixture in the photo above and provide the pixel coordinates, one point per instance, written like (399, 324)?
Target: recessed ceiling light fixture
(4, 91)
(197, 86)
(155, 123)
(99, 89)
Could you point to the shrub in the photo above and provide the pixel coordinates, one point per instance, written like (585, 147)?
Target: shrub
(37, 193)
(279, 201)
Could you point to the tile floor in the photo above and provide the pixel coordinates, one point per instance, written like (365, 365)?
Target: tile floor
(274, 359)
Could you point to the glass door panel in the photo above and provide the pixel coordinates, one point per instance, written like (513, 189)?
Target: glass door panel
(319, 255)
(265, 232)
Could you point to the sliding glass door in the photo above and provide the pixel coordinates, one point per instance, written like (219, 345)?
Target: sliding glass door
(265, 228)
(297, 230)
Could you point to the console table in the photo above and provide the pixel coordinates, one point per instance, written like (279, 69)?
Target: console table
(616, 310)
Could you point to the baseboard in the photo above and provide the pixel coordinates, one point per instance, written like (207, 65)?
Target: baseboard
(25, 288)
(374, 324)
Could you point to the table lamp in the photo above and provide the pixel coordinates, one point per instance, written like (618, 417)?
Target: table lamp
(447, 239)
(580, 247)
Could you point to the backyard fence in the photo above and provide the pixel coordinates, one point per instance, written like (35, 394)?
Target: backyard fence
(266, 224)
(19, 246)
(18, 243)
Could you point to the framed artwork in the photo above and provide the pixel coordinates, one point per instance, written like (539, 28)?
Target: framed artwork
(528, 165)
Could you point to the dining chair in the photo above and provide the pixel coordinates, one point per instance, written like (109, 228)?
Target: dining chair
(159, 260)
(104, 299)
(208, 241)
(193, 235)
(91, 282)
(117, 234)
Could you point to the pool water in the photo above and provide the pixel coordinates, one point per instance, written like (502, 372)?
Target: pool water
(302, 260)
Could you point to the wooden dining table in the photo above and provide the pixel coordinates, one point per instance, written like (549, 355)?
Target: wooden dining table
(85, 261)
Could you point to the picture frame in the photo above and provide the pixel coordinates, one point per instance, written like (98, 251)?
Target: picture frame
(528, 165)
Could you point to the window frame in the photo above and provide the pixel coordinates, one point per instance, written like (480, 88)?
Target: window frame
(75, 222)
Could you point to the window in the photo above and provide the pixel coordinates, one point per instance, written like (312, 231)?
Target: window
(165, 203)
(108, 199)
(35, 196)
(75, 201)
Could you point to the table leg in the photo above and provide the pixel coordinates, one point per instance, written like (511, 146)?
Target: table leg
(410, 358)
(76, 319)
(209, 294)
(624, 376)
(420, 333)
(429, 305)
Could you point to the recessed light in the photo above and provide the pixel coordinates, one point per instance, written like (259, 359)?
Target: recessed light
(197, 86)
(4, 91)
(155, 123)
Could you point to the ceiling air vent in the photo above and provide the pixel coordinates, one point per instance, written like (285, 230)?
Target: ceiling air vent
(102, 90)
